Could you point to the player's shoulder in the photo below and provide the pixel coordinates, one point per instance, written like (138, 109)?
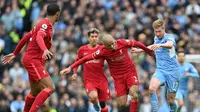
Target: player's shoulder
(170, 35)
(44, 23)
(121, 40)
(188, 63)
(84, 47)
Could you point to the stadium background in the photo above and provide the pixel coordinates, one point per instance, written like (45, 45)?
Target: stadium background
(130, 19)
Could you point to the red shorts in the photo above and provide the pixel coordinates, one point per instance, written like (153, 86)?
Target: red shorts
(122, 85)
(36, 70)
(101, 88)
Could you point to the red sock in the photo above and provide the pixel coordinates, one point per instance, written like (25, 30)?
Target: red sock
(105, 109)
(40, 99)
(134, 106)
(28, 102)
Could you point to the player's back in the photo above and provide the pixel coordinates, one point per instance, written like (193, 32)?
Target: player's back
(93, 69)
(119, 61)
(166, 58)
(33, 49)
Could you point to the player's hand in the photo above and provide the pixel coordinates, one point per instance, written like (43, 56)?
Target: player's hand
(47, 54)
(74, 76)
(8, 58)
(187, 74)
(136, 50)
(154, 47)
(65, 71)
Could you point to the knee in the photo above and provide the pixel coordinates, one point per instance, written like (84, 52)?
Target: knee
(152, 89)
(93, 98)
(180, 104)
(52, 88)
(134, 92)
(134, 95)
(122, 104)
(170, 100)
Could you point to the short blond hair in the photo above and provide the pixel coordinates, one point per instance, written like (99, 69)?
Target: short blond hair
(159, 23)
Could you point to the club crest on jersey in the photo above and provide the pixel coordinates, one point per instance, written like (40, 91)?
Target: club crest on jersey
(97, 52)
(44, 27)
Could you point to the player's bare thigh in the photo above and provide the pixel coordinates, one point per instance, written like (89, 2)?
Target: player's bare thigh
(38, 86)
(154, 84)
(93, 95)
(133, 91)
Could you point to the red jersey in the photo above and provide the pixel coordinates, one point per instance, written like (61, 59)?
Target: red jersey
(39, 39)
(93, 69)
(119, 61)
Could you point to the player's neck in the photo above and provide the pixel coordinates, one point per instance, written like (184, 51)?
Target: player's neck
(50, 18)
(92, 46)
(181, 63)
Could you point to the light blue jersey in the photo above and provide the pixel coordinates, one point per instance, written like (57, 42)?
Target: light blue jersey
(189, 68)
(166, 58)
(167, 68)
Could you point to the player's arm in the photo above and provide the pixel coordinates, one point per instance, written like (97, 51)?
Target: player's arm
(8, 58)
(193, 71)
(22, 42)
(133, 43)
(40, 40)
(41, 34)
(75, 70)
(168, 44)
(81, 61)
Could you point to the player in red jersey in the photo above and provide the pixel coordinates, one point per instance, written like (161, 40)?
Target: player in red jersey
(39, 41)
(120, 65)
(95, 81)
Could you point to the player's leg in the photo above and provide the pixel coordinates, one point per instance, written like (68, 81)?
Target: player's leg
(179, 98)
(104, 107)
(133, 91)
(133, 85)
(164, 107)
(155, 82)
(172, 86)
(92, 93)
(28, 102)
(122, 102)
(93, 96)
(46, 87)
(121, 91)
(103, 95)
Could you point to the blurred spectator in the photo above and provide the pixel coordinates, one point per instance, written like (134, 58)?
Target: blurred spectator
(18, 104)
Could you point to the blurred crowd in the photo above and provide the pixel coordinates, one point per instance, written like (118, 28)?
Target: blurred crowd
(130, 19)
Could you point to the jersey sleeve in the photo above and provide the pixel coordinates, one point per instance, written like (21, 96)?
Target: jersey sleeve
(79, 56)
(193, 71)
(95, 55)
(98, 54)
(41, 34)
(133, 43)
(22, 42)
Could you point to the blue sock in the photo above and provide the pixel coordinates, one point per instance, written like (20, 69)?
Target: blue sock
(97, 107)
(173, 107)
(154, 102)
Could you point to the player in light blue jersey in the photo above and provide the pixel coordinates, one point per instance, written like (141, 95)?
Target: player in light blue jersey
(167, 71)
(186, 70)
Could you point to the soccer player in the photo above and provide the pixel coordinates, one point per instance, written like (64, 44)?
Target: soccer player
(187, 70)
(120, 65)
(39, 41)
(95, 81)
(167, 68)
